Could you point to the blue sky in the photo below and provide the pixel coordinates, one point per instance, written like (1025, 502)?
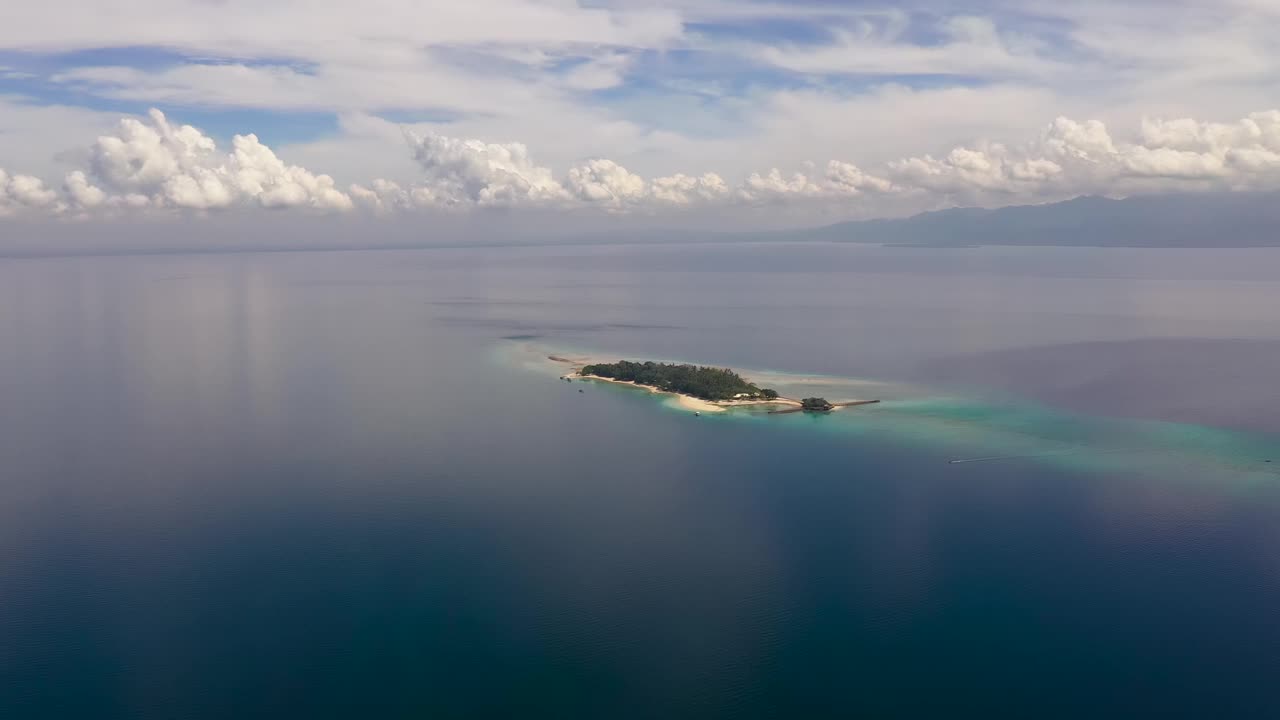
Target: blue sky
(859, 108)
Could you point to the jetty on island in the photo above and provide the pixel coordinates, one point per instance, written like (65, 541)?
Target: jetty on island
(702, 388)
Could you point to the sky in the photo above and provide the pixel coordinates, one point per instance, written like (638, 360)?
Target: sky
(705, 113)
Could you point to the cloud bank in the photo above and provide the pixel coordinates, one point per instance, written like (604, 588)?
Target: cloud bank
(152, 165)
(1083, 157)
(734, 112)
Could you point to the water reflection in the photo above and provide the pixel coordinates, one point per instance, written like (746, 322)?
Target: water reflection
(304, 484)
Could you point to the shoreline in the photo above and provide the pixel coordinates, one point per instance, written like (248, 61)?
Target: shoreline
(689, 402)
(696, 404)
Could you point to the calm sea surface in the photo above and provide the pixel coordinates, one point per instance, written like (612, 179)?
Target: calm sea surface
(342, 485)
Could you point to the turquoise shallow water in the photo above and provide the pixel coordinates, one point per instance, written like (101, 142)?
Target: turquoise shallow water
(334, 486)
(979, 430)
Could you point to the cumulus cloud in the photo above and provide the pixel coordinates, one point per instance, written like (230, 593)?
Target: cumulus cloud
(991, 168)
(180, 167)
(1088, 141)
(1247, 150)
(848, 179)
(258, 174)
(605, 182)
(472, 171)
(1082, 157)
(461, 172)
(772, 185)
(81, 192)
(843, 82)
(153, 164)
(24, 192)
(382, 195)
(21, 192)
(841, 180)
(681, 189)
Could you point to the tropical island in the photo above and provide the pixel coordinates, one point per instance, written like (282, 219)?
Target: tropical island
(701, 388)
(705, 383)
(816, 404)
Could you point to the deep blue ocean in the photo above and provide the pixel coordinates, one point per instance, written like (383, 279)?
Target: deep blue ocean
(350, 485)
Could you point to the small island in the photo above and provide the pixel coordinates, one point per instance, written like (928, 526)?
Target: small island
(701, 388)
(704, 383)
(816, 404)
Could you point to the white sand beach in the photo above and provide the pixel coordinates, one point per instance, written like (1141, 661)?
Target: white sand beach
(574, 364)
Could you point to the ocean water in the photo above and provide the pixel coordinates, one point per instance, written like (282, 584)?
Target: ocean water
(351, 485)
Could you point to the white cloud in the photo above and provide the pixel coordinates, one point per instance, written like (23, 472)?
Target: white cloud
(81, 192)
(991, 168)
(47, 140)
(606, 183)
(257, 173)
(473, 171)
(773, 186)
(686, 190)
(382, 195)
(503, 59)
(1142, 161)
(425, 84)
(382, 31)
(461, 172)
(1087, 141)
(882, 124)
(841, 180)
(970, 46)
(527, 68)
(153, 164)
(848, 179)
(24, 192)
(599, 73)
(180, 167)
(1249, 144)
(1073, 157)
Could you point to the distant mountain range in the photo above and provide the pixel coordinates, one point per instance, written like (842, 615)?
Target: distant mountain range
(1184, 220)
(1189, 220)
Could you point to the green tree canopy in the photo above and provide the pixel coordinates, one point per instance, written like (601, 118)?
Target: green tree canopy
(707, 383)
(816, 404)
